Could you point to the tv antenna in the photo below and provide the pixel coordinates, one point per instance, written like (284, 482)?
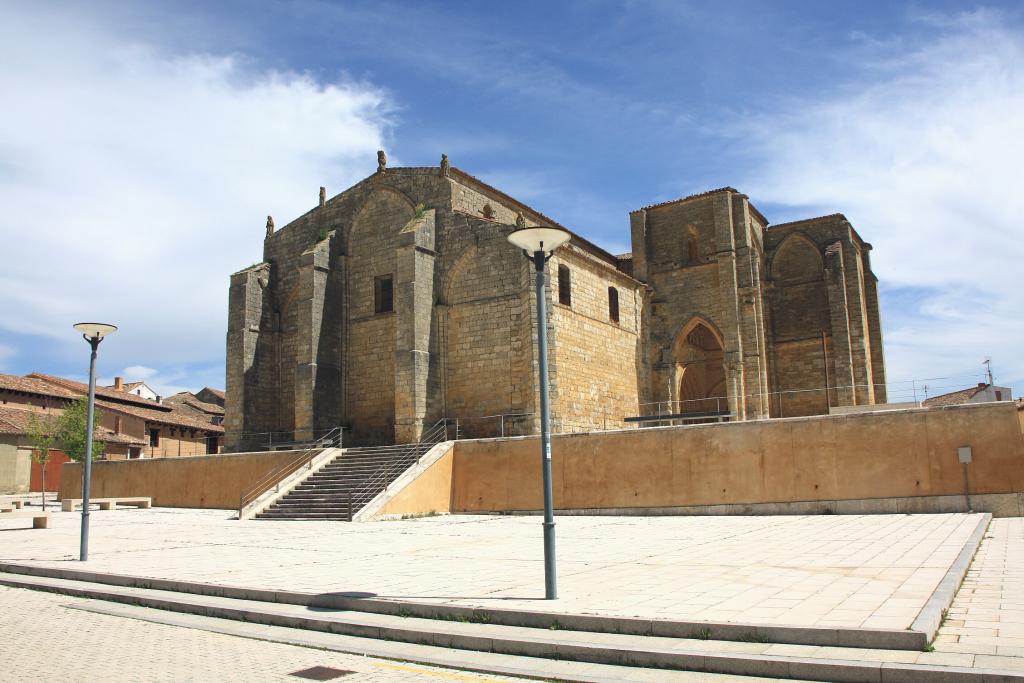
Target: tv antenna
(988, 369)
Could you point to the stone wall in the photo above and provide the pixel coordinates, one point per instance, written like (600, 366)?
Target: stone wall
(595, 358)
(715, 310)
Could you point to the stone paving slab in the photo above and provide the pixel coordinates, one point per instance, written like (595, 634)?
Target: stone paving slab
(871, 571)
(986, 618)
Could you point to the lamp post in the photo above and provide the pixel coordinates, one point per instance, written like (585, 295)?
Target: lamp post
(539, 243)
(94, 334)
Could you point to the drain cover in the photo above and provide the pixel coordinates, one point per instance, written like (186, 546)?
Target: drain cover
(321, 673)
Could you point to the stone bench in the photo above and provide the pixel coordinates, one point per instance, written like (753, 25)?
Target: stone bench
(40, 520)
(69, 504)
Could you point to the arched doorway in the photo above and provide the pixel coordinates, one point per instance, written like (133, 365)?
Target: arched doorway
(700, 373)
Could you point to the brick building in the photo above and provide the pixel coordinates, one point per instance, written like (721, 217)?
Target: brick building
(400, 302)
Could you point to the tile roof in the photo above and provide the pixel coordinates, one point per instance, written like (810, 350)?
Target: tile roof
(189, 399)
(219, 393)
(82, 389)
(955, 397)
(16, 420)
(174, 418)
(33, 385)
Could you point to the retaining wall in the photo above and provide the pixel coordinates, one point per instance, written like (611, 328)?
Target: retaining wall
(202, 481)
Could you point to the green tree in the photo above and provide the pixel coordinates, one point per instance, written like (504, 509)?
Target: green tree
(71, 430)
(41, 432)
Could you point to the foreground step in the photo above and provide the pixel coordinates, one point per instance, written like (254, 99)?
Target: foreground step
(714, 656)
(464, 660)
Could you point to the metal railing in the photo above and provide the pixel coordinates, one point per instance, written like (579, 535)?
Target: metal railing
(332, 439)
(272, 440)
(406, 453)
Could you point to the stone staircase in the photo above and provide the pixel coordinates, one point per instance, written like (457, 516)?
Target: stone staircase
(345, 485)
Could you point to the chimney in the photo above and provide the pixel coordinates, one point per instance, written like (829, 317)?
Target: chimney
(119, 383)
(982, 385)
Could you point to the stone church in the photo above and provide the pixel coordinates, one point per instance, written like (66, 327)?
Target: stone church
(400, 302)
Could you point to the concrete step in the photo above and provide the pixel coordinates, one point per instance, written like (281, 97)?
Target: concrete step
(461, 660)
(699, 652)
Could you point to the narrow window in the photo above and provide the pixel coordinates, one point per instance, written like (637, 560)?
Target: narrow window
(999, 395)
(564, 286)
(383, 294)
(154, 437)
(613, 304)
(692, 251)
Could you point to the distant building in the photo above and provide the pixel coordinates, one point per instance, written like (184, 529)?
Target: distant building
(190, 402)
(130, 426)
(983, 393)
(138, 388)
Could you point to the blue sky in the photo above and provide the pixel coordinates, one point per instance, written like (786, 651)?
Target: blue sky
(146, 144)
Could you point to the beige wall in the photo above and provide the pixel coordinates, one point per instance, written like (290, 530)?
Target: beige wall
(213, 481)
(429, 492)
(15, 466)
(879, 455)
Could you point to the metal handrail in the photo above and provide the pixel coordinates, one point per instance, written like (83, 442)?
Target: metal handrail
(332, 439)
(437, 433)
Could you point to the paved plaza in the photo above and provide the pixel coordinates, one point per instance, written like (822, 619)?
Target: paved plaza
(873, 571)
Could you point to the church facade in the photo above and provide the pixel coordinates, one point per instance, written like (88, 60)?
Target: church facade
(400, 302)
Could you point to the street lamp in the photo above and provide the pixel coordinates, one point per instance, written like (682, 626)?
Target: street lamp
(92, 333)
(539, 243)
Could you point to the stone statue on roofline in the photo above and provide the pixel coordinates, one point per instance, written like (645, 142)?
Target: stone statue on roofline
(270, 226)
(520, 220)
(323, 195)
(382, 161)
(445, 166)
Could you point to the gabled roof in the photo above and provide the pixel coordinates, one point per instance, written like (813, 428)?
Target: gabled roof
(219, 393)
(15, 421)
(173, 418)
(576, 238)
(81, 389)
(35, 386)
(189, 399)
(955, 397)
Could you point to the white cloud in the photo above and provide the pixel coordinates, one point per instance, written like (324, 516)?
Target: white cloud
(134, 180)
(138, 373)
(923, 154)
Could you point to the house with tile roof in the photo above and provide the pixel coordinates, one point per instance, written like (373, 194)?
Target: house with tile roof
(130, 426)
(982, 393)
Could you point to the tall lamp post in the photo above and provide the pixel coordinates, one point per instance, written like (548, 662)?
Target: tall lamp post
(539, 243)
(94, 334)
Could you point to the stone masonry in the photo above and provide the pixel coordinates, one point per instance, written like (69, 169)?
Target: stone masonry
(400, 302)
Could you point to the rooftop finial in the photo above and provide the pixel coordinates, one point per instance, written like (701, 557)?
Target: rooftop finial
(382, 161)
(270, 226)
(323, 195)
(445, 166)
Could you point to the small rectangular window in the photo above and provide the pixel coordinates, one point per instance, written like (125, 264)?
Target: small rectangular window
(154, 437)
(383, 294)
(613, 304)
(564, 286)
(999, 395)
